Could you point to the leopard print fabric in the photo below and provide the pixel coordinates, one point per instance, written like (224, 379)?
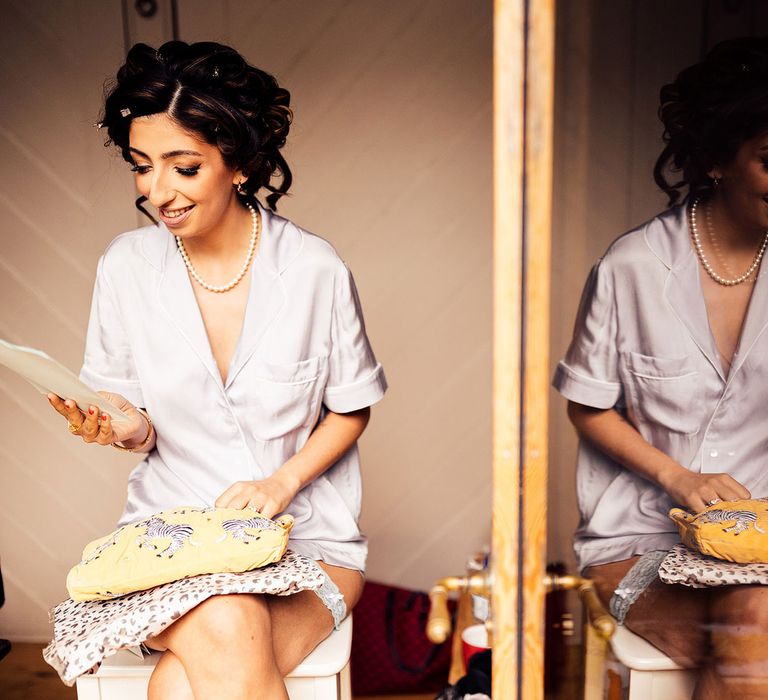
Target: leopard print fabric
(85, 633)
(683, 565)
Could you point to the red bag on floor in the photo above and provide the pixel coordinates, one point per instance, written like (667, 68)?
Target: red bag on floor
(390, 649)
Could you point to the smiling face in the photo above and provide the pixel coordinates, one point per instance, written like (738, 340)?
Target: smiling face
(183, 177)
(743, 187)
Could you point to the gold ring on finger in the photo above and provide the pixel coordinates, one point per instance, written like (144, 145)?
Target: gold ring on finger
(74, 429)
(714, 502)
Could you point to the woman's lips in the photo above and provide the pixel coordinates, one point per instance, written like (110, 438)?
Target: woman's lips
(175, 217)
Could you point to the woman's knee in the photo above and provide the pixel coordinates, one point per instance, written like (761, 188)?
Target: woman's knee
(220, 622)
(739, 631)
(741, 606)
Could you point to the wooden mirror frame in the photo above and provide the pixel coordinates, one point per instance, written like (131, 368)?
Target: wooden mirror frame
(523, 108)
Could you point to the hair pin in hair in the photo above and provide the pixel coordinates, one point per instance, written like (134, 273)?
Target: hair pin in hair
(215, 71)
(744, 68)
(126, 112)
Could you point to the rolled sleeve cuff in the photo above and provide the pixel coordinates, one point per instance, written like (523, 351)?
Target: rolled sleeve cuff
(585, 390)
(130, 388)
(359, 394)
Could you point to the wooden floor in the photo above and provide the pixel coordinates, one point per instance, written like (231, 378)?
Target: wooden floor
(24, 675)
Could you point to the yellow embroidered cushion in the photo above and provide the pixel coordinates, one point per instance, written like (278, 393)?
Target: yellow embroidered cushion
(174, 544)
(732, 530)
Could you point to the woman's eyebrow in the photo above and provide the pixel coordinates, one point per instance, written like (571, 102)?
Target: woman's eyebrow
(165, 156)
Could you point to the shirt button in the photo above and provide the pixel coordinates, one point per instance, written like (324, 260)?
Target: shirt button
(713, 453)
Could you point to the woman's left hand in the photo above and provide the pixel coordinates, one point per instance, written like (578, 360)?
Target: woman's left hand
(270, 496)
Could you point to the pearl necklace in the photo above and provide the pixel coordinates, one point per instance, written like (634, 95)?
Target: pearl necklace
(708, 266)
(715, 244)
(255, 232)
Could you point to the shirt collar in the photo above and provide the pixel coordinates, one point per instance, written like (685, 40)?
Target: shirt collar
(280, 243)
(667, 235)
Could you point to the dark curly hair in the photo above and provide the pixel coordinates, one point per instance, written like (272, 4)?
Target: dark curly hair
(211, 91)
(709, 111)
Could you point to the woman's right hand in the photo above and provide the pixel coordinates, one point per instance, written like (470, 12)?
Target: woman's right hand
(94, 426)
(697, 491)
(611, 433)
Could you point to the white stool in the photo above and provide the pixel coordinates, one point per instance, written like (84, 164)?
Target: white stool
(652, 674)
(323, 675)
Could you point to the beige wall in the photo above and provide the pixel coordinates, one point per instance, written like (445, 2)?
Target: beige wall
(61, 198)
(391, 151)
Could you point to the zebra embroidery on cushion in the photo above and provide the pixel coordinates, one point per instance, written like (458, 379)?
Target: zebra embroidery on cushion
(97, 552)
(741, 520)
(237, 528)
(157, 528)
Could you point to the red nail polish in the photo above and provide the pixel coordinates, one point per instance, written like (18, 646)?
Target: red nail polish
(90, 410)
(103, 416)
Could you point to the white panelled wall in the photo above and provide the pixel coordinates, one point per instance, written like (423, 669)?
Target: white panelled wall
(391, 152)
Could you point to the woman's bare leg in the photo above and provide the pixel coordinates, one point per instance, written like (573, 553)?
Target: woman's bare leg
(739, 631)
(671, 617)
(169, 680)
(225, 647)
(299, 623)
(722, 631)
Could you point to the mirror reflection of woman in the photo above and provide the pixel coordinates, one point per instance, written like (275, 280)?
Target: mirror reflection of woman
(666, 371)
(235, 342)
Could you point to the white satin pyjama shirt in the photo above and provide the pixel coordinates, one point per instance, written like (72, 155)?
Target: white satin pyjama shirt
(303, 350)
(642, 344)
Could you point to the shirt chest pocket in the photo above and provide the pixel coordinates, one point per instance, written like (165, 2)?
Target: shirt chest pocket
(282, 397)
(666, 391)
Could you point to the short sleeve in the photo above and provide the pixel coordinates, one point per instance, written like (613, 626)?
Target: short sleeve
(108, 364)
(589, 373)
(355, 378)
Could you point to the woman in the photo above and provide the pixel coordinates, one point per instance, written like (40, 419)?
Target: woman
(665, 371)
(235, 342)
